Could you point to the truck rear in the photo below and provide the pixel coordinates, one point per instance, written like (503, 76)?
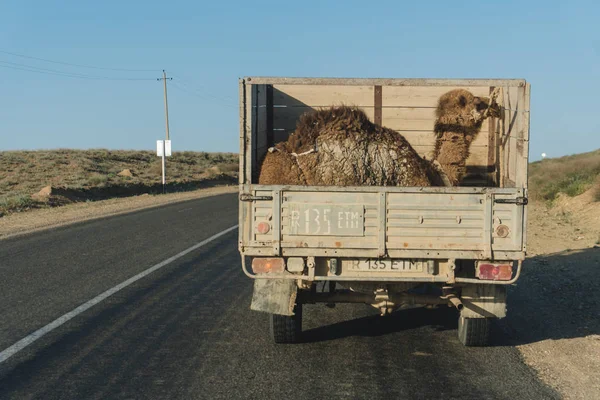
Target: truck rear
(390, 247)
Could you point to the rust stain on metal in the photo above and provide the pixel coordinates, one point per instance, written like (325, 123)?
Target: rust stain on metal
(338, 244)
(502, 231)
(405, 244)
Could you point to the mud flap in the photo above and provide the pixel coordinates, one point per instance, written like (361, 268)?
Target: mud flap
(483, 301)
(274, 296)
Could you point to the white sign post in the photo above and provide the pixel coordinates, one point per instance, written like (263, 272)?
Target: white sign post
(163, 149)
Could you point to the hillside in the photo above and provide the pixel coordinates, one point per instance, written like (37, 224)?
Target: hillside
(571, 175)
(83, 175)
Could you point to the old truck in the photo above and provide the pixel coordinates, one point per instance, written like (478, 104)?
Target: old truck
(390, 247)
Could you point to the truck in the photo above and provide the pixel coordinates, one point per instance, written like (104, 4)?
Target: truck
(389, 247)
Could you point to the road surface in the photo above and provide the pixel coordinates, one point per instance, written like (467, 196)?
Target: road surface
(185, 331)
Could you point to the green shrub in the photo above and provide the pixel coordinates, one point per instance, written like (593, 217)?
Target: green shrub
(16, 204)
(571, 175)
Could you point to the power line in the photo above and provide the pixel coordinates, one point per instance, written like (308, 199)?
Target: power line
(67, 74)
(200, 96)
(203, 90)
(78, 65)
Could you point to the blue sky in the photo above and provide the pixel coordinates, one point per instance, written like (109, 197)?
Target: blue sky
(206, 46)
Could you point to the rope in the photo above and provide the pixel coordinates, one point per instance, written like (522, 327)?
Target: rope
(493, 97)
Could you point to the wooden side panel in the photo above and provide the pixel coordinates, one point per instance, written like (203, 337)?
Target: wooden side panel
(260, 127)
(513, 137)
(523, 143)
(250, 139)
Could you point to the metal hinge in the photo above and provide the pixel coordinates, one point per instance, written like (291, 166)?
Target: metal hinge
(251, 197)
(520, 201)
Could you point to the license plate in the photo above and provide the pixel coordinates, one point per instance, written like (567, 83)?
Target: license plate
(374, 265)
(326, 219)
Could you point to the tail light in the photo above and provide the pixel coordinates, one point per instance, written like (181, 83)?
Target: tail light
(268, 265)
(263, 228)
(494, 272)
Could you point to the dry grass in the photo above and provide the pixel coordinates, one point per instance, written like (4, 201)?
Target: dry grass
(571, 175)
(83, 175)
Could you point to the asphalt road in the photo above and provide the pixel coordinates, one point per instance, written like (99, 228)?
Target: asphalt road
(185, 331)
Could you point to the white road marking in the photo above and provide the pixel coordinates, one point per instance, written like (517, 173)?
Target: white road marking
(26, 341)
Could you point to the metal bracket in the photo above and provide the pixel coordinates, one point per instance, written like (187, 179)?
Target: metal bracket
(520, 201)
(251, 197)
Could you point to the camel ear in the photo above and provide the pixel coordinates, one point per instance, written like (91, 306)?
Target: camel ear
(462, 100)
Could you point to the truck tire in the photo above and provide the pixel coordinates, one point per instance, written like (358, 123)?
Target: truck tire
(287, 329)
(474, 331)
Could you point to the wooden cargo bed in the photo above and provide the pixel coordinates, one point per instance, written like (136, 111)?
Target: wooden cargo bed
(498, 157)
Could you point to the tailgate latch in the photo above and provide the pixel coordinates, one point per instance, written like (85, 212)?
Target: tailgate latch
(520, 201)
(251, 197)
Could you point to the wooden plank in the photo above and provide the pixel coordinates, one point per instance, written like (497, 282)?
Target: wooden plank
(261, 133)
(378, 103)
(250, 132)
(385, 81)
(260, 127)
(522, 142)
(322, 96)
(512, 127)
(287, 117)
(415, 138)
(491, 147)
(243, 131)
(427, 96)
(391, 114)
(269, 115)
(421, 125)
(477, 156)
(392, 96)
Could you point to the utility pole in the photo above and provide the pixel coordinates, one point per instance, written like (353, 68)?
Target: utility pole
(164, 158)
(164, 79)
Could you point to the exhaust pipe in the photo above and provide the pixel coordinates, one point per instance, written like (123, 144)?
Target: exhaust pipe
(455, 301)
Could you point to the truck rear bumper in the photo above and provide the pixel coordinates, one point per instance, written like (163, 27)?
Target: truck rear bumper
(318, 269)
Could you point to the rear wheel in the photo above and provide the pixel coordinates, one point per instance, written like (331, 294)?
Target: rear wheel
(474, 331)
(287, 329)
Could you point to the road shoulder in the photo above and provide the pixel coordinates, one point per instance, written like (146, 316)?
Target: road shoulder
(37, 220)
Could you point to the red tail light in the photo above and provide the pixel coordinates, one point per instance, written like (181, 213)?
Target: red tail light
(268, 265)
(263, 228)
(494, 272)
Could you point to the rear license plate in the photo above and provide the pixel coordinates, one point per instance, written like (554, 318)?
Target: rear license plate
(389, 265)
(326, 219)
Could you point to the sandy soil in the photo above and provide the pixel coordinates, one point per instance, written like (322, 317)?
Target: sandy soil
(554, 310)
(35, 220)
